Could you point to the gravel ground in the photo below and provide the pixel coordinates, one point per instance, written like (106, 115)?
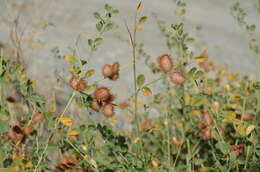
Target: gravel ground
(51, 23)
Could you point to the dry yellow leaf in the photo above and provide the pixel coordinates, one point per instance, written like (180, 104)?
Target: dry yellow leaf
(241, 129)
(201, 59)
(73, 133)
(154, 164)
(66, 121)
(139, 28)
(187, 99)
(147, 91)
(250, 128)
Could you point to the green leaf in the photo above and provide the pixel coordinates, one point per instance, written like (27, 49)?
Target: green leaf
(143, 19)
(140, 80)
(198, 74)
(99, 26)
(98, 41)
(108, 27)
(108, 8)
(97, 15)
(223, 147)
(90, 42)
(4, 126)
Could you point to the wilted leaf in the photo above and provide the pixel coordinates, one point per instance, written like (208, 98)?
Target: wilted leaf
(201, 59)
(73, 133)
(139, 28)
(147, 91)
(89, 87)
(143, 19)
(250, 128)
(241, 129)
(89, 73)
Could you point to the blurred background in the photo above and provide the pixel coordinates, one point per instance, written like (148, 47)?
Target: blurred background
(32, 28)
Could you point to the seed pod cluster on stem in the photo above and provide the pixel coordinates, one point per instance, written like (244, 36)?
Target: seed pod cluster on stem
(77, 83)
(102, 101)
(166, 65)
(111, 71)
(205, 126)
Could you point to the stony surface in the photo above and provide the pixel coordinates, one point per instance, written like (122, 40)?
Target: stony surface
(50, 23)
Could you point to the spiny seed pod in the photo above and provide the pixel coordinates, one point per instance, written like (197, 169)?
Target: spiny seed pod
(115, 67)
(96, 105)
(108, 110)
(77, 83)
(107, 70)
(165, 62)
(102, 94)
(177, 78)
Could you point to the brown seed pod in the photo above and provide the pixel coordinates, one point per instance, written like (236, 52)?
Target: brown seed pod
(238, 149)
(96, 105)
(67, 163)
(37, 117)
(165, 62)
(82, 85)
(29, 129)
(206, 117)
(177, 78)
(16, 135)
(107, 70)
(110, 99)
(11, 99)
(206, 133)
(114, 77)
(146, 125)
(102, 94)
(115, 67)
(248, 117)
(77, 83)
(176, 141)
(108, 110)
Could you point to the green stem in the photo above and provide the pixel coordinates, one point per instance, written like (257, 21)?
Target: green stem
(65, 109)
